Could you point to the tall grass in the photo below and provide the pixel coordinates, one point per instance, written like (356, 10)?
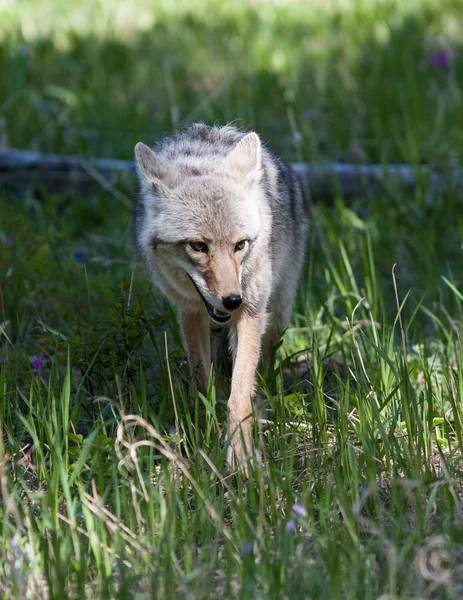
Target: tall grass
(109, 487)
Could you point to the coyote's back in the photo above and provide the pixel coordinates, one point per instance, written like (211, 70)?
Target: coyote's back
(221, 226)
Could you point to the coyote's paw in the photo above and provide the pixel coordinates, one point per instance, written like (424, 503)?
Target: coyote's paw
(239, 452)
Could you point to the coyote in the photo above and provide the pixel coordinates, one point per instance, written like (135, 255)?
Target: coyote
(221, 226)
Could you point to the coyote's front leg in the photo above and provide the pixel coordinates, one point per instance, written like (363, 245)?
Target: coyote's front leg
(246, 358)
(196, 330)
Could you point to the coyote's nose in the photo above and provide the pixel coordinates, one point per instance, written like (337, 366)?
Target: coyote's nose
(232, 302)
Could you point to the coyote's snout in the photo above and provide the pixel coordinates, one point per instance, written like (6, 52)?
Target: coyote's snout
(217, 278)
(220, 224)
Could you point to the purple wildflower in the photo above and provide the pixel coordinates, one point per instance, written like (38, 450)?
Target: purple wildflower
(80, 257)
(299, 511)
(291, 526)
(36, 362)
(362, 212)
(440, 60)
(296, 137)
(9, 241)
(354, 151)
(246, 550)
(308, 115)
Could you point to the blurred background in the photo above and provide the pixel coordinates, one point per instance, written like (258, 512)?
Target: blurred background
(337, 79)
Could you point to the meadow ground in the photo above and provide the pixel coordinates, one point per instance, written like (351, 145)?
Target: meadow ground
(107, 487)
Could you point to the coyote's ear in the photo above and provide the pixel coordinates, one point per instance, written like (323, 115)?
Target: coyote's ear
(155, 169)
(245, 157)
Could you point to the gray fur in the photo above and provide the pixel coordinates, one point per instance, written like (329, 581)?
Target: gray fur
(221, 184)
(203, 196)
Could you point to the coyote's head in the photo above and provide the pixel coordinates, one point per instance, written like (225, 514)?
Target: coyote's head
(202, 216)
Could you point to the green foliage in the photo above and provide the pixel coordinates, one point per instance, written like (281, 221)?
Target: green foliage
(113, 482)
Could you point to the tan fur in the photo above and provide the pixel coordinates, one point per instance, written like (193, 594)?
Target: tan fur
(248, 333)
(197, 338)
(220, 271)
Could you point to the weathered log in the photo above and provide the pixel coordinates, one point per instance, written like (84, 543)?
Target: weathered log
(22, 170)
(72, 175)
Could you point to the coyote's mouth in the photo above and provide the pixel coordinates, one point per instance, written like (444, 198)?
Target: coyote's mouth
(216, 316)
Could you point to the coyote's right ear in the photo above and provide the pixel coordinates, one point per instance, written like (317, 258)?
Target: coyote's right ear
(245, 158)
(153, 168)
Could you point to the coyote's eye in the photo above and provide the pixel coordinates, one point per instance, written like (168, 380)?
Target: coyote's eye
(241, 245)
(199, 247)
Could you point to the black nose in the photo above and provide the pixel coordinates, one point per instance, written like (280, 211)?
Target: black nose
(232, 302)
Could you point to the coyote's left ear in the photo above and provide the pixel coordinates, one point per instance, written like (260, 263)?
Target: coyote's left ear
(244, 159)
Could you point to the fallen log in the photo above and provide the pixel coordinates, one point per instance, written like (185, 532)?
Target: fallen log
(22, 170)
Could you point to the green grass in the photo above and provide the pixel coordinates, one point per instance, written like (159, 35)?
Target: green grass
(108, 488)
